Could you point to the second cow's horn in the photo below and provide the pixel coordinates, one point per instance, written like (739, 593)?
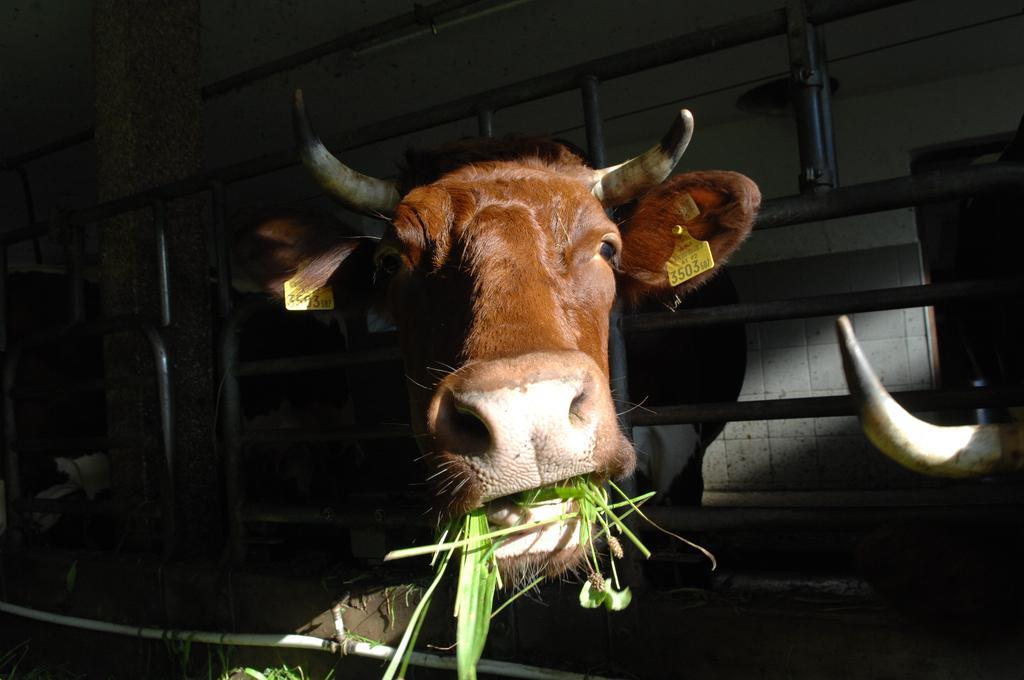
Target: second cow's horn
(620, 183)
(950, 451)
(362, 193)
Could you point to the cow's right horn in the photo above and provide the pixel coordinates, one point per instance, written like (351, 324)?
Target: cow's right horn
(365, 194)
(961, 451)
(620, 183)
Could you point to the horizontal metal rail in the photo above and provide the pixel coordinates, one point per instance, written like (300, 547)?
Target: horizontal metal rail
(53, 444)
(342, 517)
(689, 519)
(821, 407)
(43, 390)
(712, 519)
(889, 194)
(136, 508)
(827, 305)
(696, 43)
(348, 434)
(317, 362)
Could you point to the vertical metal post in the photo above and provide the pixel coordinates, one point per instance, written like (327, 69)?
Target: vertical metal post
(12, 475)
(74, 238)
(163, 275)
(162, 366)
(218, 204)
(3, 297)
(592, 120)
(485, 122)
(30, 210)
(821, 61)
(617, 369)
(812, 105)
(231, 429)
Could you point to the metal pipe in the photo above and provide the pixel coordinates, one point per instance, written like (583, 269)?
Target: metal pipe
(343, 517)
(222, 256)
(485, 122)
(827, 305)
(821, 407)
(75, 248)
(696, 43)
(30, 209)
(344, 646)
(592, 120)
(317, 362)
(888, 194)
(712, 519)
(229, 405)
(303, 434)
(3, 297)
(52, 444)
(163, 275)
(80, 507)
(12, 474)
(808, 79)
(421, 19)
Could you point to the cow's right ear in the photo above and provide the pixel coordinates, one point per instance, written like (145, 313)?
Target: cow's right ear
(305, 248)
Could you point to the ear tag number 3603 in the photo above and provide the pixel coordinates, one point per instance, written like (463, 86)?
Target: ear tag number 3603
(690, 257)
(298, 300)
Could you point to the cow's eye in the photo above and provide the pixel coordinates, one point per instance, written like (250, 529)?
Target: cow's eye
(609, 251)
(388, 261)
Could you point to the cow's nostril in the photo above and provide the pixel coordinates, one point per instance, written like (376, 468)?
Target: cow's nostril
(578, 407)
(464, 431)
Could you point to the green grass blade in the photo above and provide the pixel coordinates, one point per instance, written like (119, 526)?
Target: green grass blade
(412, 630)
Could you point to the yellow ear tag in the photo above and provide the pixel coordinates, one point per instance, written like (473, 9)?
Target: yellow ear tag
(690, 257)
(297, 300)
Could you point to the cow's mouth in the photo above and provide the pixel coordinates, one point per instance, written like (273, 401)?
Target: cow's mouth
(551, 547)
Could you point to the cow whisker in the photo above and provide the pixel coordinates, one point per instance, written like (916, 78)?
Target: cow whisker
(633, 406)
(424, 387)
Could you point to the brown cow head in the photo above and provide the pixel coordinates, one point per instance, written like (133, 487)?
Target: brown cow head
(500, 268)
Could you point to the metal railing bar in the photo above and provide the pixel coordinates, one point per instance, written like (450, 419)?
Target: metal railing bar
(889, 194)
(218, 208)
(163, 274)
(714, 519)
(85, 507)
(679, 48)
(317, 362)
(52, 444)
(296, 434)
(91, 385)
(827, 305)
(821, 407)
(420, 19)
(344, 517)
(691, 519)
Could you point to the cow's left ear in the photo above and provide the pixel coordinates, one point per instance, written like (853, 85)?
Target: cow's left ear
(664, 234)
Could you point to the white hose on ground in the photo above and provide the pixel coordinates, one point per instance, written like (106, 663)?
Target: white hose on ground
(365, 649)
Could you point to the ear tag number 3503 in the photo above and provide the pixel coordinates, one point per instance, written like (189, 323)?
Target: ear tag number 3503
(690, 257)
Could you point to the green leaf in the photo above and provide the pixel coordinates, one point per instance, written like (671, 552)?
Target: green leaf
(591, 597)
(253, 673)
(617, 600)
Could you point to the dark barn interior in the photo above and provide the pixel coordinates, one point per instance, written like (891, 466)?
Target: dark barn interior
(197, 480)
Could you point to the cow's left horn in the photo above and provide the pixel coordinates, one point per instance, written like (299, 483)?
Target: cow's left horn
(619, 183)
(961, 451)
(365, 194)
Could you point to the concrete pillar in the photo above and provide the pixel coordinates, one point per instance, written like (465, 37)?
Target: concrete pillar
(149, 132)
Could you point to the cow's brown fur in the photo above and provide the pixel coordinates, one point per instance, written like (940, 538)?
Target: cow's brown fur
(500, 246)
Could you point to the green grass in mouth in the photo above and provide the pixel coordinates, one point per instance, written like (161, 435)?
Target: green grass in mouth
(479, 578)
